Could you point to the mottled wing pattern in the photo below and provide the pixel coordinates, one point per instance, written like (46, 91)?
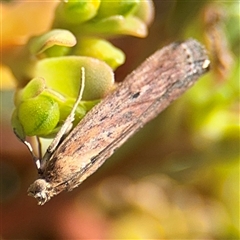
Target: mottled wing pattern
(142, 96)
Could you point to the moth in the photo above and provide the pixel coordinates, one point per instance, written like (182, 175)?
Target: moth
(144, 93)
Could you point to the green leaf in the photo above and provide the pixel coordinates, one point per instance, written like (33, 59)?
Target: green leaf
(121, 7)
(75, 12)
(145, 11)
(100, 49)
(17, 126)
(63, 75)
(32, 89)
(57, 37)
(116, 25)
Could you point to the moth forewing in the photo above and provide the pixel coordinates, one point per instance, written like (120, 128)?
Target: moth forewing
(146, 92)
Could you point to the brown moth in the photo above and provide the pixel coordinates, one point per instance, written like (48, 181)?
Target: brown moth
(146, 92)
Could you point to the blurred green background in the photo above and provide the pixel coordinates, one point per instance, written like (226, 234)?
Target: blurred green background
(178, 178)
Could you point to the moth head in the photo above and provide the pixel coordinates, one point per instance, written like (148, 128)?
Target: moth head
(41, 190)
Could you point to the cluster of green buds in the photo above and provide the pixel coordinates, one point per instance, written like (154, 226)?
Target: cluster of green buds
(50, 71)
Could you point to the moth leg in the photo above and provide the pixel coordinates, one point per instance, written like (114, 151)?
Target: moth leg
(39, 147)
(67, 125)
(30, 149)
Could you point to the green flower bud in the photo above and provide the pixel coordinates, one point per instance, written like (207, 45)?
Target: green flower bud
(38, 116)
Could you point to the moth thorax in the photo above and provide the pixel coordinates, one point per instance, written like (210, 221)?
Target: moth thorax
(41, 190)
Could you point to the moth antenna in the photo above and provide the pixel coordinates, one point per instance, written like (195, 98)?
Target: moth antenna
(67, 125)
